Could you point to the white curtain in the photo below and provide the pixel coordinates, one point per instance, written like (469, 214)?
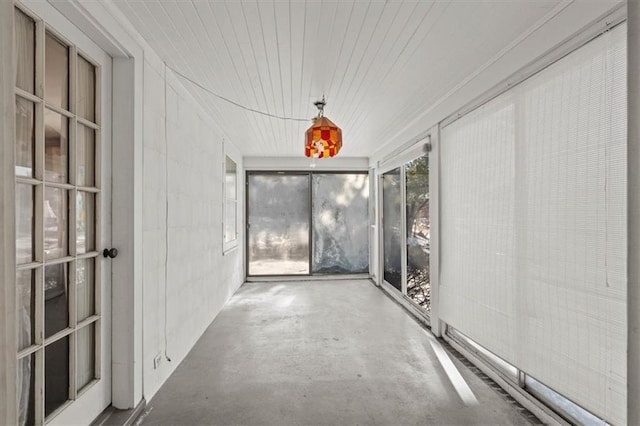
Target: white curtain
(24, 280)
(86, 89)
(85, 293)
(24, 60)
(85, 341)
(533, 242)
(24, 125)
(85, 299)
(24, 51)
(85, 155)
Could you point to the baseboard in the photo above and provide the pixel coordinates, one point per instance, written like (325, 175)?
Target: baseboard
(112, 416)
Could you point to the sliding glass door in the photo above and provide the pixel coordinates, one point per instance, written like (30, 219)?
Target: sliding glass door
(406, 230)
(307, 223)
(278, 224)
(340, 223)
(392, 227)
(418, 231)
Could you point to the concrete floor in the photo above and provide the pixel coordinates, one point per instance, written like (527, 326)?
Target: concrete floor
(323, 352)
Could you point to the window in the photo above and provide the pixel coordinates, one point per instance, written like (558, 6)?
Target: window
(230, 203)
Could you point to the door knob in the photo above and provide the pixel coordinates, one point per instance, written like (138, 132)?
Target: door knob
(112, 252)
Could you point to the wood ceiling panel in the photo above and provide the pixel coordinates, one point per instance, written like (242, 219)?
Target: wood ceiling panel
(380, 64)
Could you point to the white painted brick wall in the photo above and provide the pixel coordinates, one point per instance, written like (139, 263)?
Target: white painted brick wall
(185, 169)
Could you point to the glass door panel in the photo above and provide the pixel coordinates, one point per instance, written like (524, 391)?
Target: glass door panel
(392, 227)
(278, 221)
(340, 231)
(59, 170)
(417, 210)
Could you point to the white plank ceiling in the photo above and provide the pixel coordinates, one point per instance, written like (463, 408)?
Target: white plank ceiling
(380, 64)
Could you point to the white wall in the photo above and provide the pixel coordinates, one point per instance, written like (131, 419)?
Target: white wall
(168, 183)
(186, 278)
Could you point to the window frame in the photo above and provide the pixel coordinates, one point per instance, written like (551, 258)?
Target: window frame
(232, 154)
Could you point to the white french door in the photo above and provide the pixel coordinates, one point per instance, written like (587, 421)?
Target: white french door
(63, 219)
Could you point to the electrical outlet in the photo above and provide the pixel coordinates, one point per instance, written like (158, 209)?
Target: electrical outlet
(156, 361)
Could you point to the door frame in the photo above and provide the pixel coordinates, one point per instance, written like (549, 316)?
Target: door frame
(309, 175)
(102, 23)
(8, 333)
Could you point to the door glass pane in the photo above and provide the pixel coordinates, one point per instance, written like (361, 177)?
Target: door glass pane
(278, 224)
(56, 244)
(56, 375)
(26, 379)
(56, 69)
(56, 147)
(85, 222)
(24, 223)
(86, 90)
(340, 223)
(25, 51)
(56, 301)
(392, 227)
(25, 137)
(417, 190)
(85, 288)
(86, 345)
(26, 294)
(86, 156)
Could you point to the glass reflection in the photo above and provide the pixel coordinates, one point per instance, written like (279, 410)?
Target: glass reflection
(86, 345)
(231, 183)
(86, 89)
(26, 295)
(56, 300)
(56, 72)
(24, 223)
(85, 288)
(392, 227)
(56, 244)
(418, 231)
(230, 232)
(56, 375)
(85, 222)
(25, 137)
(278, 224)
(85, 156)
(56, 148)
(340, 225)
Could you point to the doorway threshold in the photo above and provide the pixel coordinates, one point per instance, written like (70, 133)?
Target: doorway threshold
(287, 278)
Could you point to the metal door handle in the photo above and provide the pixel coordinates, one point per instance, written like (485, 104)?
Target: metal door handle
(112, 252)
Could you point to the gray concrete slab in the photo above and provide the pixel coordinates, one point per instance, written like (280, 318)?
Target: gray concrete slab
(322, 353)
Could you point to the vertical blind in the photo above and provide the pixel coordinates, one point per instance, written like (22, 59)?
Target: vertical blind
(533, 222)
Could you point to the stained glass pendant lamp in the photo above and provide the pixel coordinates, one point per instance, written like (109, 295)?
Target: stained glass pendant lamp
(323, 138)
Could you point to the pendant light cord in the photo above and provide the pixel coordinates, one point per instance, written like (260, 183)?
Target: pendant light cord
(246, 108)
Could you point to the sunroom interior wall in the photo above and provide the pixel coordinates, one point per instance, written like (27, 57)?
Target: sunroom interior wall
(533, 243)
(187, 279)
